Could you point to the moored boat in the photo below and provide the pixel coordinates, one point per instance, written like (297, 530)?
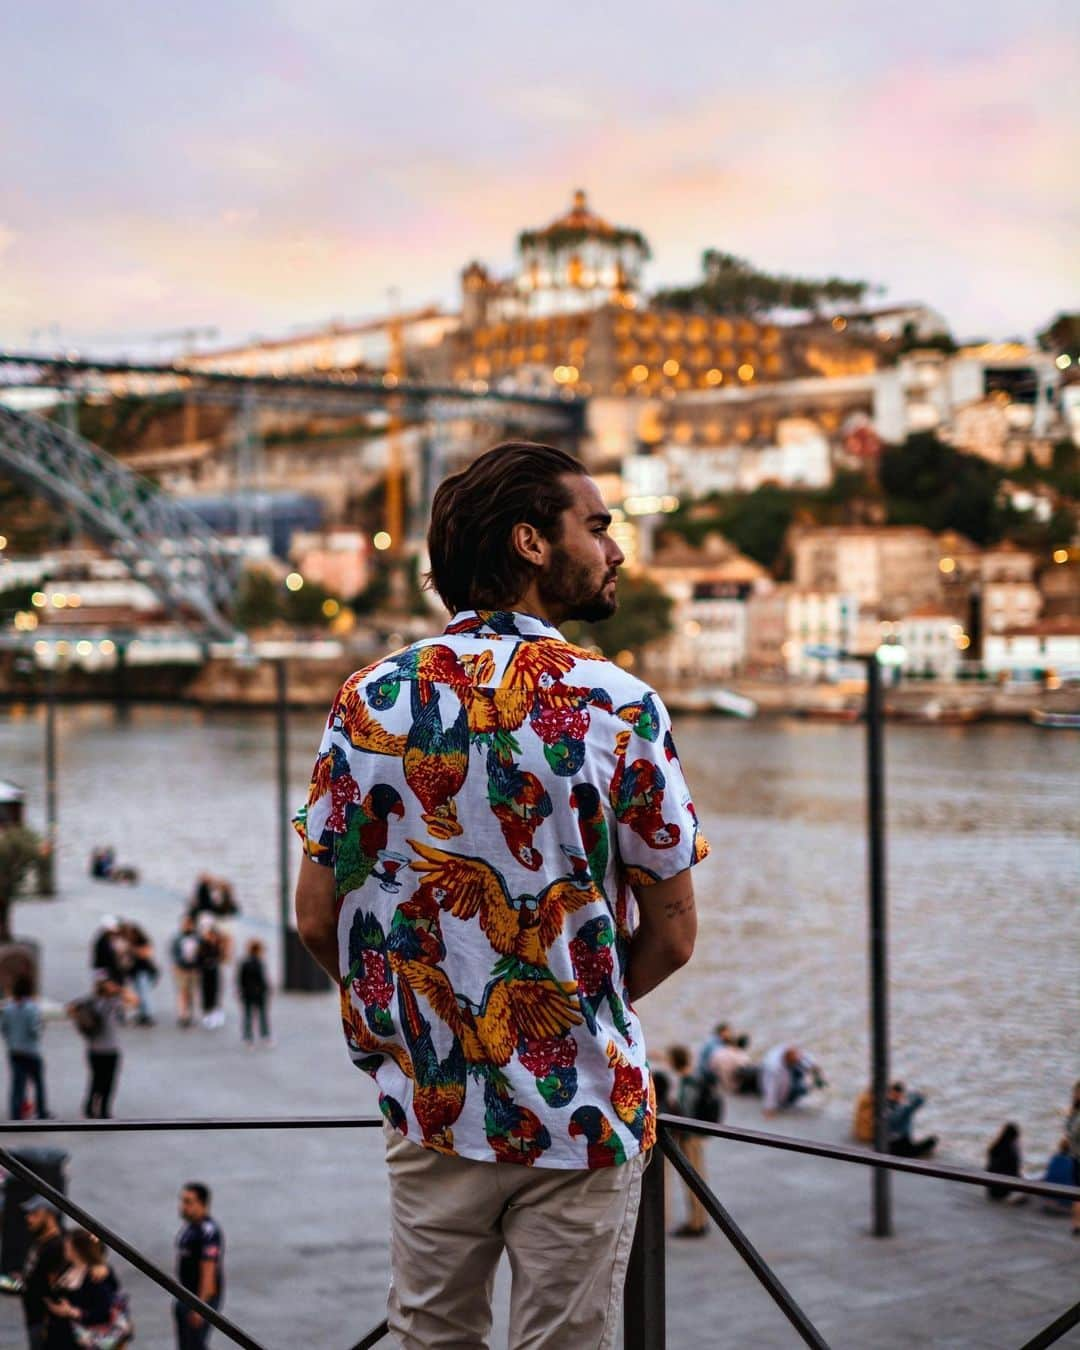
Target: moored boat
(1056, 721)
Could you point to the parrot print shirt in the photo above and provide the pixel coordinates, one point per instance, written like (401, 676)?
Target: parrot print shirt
(487, 799)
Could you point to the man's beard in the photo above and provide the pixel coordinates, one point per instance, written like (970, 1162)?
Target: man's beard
(571, 587)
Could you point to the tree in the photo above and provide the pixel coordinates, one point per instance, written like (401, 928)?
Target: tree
(258, 601)
(1062, 335)
(20, 850)
(732, 285)
(930, 483)
(643, 616)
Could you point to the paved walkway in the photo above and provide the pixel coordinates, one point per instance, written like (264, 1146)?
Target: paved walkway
(305, 1213)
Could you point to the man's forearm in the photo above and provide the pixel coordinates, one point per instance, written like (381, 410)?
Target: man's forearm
(316, 915)
(649, 963)
(323, 947)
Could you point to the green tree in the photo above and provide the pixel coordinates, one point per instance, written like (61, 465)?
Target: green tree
(259, 601)
(643, 616)
(20, 850)
(731, 285)
(929, 483)
(305, 606)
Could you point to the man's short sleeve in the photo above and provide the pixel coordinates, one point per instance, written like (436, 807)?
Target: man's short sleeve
(317, 823)
(656, 827)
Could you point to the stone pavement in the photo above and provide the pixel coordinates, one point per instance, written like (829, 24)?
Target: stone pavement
(305, 1213)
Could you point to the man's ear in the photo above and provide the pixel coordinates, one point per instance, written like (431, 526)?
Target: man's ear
(530, 543)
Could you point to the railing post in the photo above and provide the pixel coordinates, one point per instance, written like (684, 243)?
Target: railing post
(879, 969)
(644, 1296)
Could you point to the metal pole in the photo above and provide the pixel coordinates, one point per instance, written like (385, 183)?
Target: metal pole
(879, 993)
(644, 1295)
(282, 673)
(47, 875)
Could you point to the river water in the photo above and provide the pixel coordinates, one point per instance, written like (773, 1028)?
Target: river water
(983, 871)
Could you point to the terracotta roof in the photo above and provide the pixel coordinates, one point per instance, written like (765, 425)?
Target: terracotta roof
(1065, 625)
(579, 217)
(931, 612)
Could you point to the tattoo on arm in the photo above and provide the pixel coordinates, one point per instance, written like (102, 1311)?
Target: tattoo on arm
(682, 904)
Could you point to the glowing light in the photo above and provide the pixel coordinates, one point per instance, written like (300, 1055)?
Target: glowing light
(59, 600)
(294, 581)
(714, 376)
(390, 380)
(106, 646)
(639, 374)
(947, 565)
(74, 601)
(963, 642)
(671, 366)
(891, 654)
(3, 541)
(330, 608)
(1064, 361)
(625, 658)
(41, 647)
(746, 371)
(839, 323)
(39, 599)
(382, 541)
(84, 648)
(62, 649)
(692, 628)
(1061, 555)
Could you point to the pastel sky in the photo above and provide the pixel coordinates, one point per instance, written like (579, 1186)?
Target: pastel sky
(258, 167)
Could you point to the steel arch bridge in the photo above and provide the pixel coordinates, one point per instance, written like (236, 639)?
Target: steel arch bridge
(163, 543)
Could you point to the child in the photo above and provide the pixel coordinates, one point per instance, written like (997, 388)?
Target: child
(254, 989)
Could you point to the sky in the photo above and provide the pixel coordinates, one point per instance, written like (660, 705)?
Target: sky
(259, 168)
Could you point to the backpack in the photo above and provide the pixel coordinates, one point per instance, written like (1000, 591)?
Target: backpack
(116, 1333)
(88, 1020)
(705, 1102)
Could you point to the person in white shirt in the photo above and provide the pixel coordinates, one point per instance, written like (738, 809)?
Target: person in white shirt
(787, 1074)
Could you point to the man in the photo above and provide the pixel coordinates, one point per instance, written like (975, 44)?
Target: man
(498, 839)
(901, 1108)
(44, 1260)
(20, 1023)
(185, 957)
(787, 1074)
(200, 1256)
(108, 953)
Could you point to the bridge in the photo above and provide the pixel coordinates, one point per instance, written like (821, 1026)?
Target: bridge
(165, 544)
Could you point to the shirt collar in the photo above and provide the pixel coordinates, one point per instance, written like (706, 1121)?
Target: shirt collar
(499, 623)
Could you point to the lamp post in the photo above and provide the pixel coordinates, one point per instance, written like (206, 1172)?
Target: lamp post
(887, 655)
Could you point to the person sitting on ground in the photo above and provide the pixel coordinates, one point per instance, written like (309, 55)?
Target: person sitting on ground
(102, 862)
(862, 1122)
(1060, 1171)
(786, 1076)
(687, 1093)
(901, 1108)
(1003, 1156)
(729, 1063)
(84, 1296)
(1072, 1133)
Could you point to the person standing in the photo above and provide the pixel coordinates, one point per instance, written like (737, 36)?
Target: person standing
(42, 1265)
(143, 971)
(97, 1019)
(108, 952)
(210, 955)
(200, 1264)
(85, 1305)
(20, 1023)
(498, 839)
(185, 958)
(253, 987)
(687, 1100)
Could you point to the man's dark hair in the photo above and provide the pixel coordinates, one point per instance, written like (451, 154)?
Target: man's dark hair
(22, 987)
(199, 1191)
(473, 562)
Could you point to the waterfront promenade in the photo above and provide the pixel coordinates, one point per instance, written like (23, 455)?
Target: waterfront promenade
(305, 1213)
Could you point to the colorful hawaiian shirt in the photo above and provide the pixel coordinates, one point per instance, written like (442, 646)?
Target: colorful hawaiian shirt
(487, 799)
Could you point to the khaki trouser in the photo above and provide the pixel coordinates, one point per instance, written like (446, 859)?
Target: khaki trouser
(567, 1233)
(693, 1147)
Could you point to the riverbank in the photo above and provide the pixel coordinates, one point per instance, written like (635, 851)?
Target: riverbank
(305, 1212)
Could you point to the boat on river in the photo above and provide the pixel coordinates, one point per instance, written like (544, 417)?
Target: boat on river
(1056, 721)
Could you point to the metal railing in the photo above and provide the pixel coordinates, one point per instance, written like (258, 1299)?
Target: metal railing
(644, 1300)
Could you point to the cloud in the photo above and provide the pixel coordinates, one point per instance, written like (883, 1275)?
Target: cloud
(7, 238)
